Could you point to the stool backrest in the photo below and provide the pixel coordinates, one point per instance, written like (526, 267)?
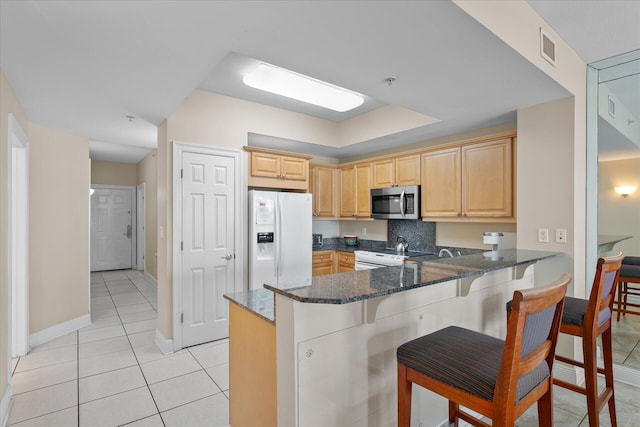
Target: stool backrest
(600, 305)
(532, 334)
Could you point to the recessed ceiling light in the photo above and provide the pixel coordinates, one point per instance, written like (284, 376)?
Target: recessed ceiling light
(287, 83)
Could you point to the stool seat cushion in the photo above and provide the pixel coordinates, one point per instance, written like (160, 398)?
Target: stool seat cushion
(466, 360)
(631, 260)
(631, 271)
(576, 308)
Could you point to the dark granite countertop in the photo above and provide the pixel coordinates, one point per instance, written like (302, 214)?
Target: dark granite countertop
(257, 301)
(344, 288)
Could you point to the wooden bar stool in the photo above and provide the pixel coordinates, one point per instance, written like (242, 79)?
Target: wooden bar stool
(498, 379)
(589, 319)
(629, 273)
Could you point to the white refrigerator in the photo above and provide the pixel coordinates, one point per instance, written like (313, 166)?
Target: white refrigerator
(279, 239)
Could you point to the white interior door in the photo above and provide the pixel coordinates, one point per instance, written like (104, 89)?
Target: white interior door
(112, 228)
(140, 214)
(207, 245)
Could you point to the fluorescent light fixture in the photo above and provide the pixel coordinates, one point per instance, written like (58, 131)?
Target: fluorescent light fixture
(625, 190)
(283, 82)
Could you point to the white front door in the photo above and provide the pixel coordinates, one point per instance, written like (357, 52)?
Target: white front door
(208, 248)
(112, 228)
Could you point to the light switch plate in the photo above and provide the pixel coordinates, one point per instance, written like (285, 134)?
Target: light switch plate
(543, 235)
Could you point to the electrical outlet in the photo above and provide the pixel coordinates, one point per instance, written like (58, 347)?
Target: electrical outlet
(561, 235)
(543, 235)
(364, 231)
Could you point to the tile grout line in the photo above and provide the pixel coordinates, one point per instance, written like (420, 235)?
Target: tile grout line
(136, 356)
(205, 370)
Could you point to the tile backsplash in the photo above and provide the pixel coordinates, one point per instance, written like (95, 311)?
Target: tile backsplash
(420, 235)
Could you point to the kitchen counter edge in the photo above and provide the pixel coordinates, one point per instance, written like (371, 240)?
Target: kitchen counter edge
(344, 288)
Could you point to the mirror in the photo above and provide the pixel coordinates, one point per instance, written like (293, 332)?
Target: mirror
(619, 166)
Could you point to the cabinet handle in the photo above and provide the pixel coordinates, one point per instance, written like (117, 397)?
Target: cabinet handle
(464, 214)
(284, 176)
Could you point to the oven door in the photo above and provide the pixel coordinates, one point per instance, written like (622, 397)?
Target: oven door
(366, 266)
(396, 202)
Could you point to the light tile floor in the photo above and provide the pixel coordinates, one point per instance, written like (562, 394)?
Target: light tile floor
(626, 339)
(111, 373)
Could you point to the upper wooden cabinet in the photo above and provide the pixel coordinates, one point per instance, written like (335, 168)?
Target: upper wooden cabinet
(323, 187)
(355, 190)
(470, 182)
(278, 169)
(396, 171)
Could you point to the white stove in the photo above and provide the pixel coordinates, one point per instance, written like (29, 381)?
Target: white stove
(366, 260)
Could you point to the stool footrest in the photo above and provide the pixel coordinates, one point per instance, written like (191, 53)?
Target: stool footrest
(570, 386)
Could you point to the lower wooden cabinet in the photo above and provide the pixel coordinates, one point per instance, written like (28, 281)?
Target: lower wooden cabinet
(346, 262)
(323, 263)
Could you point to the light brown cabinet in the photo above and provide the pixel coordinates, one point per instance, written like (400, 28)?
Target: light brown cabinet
(323, 263)
(323, 186)
(278, 169)
(346, 262)
(396, 171)
(473, 181)
(355, 190)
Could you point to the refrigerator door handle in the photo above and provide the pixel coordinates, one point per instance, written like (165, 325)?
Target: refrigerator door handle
(278, 257)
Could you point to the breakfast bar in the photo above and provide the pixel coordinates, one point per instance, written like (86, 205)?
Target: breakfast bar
(333, 343)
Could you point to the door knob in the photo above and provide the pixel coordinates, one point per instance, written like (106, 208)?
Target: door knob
(227, 257)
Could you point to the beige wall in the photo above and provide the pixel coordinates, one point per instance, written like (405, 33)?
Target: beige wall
(111, 173)
(563, 164)
(59, 227)
(147, 175)
(619, 215)
(8, 104)
(216, 120)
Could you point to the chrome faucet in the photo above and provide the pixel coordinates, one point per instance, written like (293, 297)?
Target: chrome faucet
(446, 251)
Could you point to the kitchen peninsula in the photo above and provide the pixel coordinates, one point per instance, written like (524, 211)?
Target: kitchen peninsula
(325, 354)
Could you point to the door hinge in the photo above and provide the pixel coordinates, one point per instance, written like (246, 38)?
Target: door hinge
(181, 317)
(182, 246)
(181, 173)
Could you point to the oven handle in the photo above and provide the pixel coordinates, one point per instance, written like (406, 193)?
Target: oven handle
(359, 266)
(402, 203)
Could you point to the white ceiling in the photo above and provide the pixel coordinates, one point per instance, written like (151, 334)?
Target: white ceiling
(82, 67)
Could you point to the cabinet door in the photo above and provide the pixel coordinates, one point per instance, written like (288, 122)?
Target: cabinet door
(487, 179)
(322, 269)
(346, 262)
(294, 168)
(363, 190)
(265, 165)
(407, 170)
(383, 173)
(347, 191)
(323, 191)
(441, 184)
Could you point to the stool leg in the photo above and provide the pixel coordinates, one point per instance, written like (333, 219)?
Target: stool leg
(590, 379)
(619, 302)
(626, 294)
(453, 413)
(607, 355)
(545, 408)
(404, 397)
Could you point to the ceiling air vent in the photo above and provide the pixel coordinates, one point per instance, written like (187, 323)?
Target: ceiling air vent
(547, 47)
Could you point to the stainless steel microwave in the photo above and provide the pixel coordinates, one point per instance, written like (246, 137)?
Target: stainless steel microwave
(396, 202)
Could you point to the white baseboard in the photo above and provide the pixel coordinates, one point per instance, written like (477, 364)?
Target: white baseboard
(151, 279)
(5, 406)
(165, 345)
(566, 373)
(626, 375)
(59, 330)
